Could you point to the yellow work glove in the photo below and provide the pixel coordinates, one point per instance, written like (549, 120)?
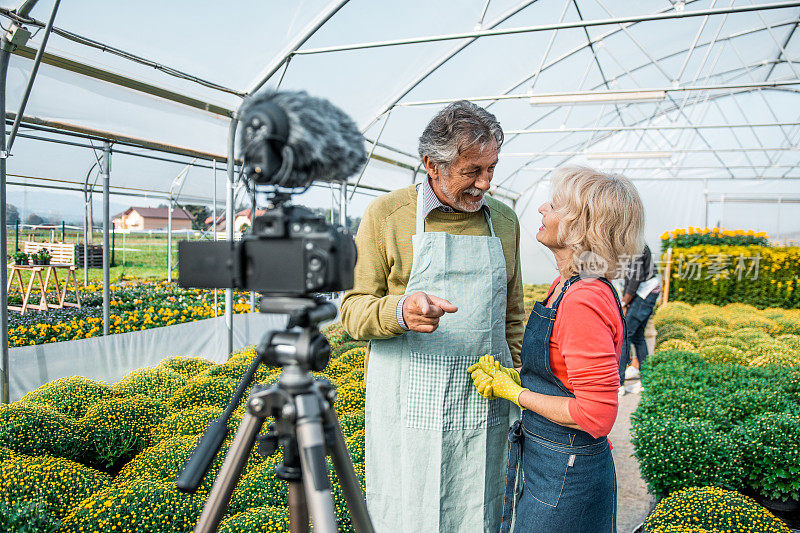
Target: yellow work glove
(482, 382)
(488, 364)
(495, 381)
(480, 379)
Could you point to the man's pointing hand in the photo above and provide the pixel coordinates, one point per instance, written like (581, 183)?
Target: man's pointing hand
(421, 311)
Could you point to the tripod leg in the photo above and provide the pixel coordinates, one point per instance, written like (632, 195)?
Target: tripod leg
(343, 464)
(311, 444)
(298, 510)
(229, 474)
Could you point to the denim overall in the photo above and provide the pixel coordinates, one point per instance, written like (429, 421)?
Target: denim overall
(435, 448)
(568, 481)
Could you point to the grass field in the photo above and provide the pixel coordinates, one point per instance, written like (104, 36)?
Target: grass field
(135, 256)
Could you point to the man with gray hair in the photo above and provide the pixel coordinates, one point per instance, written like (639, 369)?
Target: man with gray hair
(438, 285)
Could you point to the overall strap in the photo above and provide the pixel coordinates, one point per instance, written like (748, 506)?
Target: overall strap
(616, 295)
(575, 278)
(621, 313)
(515, 438)
(569, 282)
(549, 294)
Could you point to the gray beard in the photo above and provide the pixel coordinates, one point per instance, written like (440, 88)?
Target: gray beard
(461, 206)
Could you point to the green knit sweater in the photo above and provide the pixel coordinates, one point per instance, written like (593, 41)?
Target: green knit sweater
(384, 263)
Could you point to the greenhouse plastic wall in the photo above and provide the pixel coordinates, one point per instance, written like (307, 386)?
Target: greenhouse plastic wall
(110, 358)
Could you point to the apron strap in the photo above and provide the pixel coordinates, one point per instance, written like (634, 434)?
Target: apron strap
(515, 438)
(421, 212)
(420, 209)
(488, 216)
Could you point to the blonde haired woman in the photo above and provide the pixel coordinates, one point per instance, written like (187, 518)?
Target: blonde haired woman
(567, 385)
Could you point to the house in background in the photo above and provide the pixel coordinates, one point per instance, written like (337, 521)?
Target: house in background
(144, 218)
(240, 222)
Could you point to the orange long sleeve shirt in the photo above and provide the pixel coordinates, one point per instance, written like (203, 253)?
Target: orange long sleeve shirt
(585, 348)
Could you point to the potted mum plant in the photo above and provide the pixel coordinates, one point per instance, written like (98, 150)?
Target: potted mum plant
(42, 257)
(20, 258)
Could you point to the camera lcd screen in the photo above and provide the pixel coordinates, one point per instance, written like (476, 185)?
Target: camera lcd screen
(205, 264)
(275, 265)
(269, 265)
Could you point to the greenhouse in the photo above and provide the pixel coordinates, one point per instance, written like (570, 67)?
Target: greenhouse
(529, 141)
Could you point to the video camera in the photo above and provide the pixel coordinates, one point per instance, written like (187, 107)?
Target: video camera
(288, 141)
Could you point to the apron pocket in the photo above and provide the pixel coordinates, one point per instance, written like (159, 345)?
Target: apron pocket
(545, 470)
(441, 396)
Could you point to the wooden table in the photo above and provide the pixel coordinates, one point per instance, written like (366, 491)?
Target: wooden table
(36, 275)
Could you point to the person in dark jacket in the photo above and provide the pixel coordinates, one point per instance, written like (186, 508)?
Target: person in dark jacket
(642, 287)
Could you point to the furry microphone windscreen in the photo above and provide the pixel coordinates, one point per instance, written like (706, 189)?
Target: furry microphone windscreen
(327, 144)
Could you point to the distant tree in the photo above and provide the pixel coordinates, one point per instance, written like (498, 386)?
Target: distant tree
(34, 219)
(199, 215)
(352, 222)
(55, 219)
(12, 214)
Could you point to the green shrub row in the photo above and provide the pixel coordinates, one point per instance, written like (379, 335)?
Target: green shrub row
(701, 423)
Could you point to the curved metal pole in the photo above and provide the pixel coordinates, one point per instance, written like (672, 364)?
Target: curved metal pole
(5, 56)
(611, 133)
(458, 49)
(343, 205)
(214, 226)
(169, 239)
(105, 169)
(604, 137)
(6, 48)
(25, 8)
(276, 64)
(547, 27)
(634, 69)
(572, 52)
(36, 62)
(369, 156)
(229, 224)
(87, 197)
(252, 225)
(433, 67)
(598, 38)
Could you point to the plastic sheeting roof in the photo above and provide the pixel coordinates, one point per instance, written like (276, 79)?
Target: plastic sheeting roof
(726, 105)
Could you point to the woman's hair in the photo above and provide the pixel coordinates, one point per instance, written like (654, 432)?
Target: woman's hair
(602, 220)
(456, 128)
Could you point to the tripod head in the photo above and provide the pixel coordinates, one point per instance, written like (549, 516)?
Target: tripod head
(308, 349)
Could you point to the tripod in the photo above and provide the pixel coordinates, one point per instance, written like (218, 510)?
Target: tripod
(305, 425)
